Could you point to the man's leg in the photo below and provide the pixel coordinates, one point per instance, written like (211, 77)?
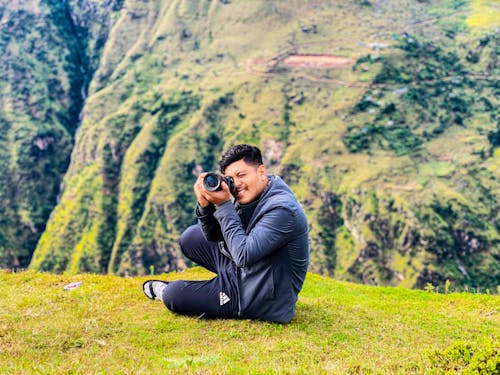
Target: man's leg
(213, 298)
(195, 246)
(202, 298)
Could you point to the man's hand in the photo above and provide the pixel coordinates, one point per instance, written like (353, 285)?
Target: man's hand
(206, 197)
(199, 191)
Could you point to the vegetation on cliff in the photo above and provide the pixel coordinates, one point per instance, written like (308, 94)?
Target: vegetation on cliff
(49, 51)
(382, 116)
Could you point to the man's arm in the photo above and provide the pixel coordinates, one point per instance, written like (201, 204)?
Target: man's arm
(209, 225)
(274, 229)
(205, 210)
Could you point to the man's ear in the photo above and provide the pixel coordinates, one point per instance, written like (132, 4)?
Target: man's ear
(262, 171)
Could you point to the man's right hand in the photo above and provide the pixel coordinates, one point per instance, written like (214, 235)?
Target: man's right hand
(199, 191)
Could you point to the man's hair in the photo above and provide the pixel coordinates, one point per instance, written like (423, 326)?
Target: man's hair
(250, 154)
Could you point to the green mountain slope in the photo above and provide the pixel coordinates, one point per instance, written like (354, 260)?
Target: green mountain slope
(382, 116)
(49, 52)
(107, 326)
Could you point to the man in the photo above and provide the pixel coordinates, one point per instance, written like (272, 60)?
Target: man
(257, 246)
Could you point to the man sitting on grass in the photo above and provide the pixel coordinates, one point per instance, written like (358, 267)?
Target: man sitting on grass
(257, 245)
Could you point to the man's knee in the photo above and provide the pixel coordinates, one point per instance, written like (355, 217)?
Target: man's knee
(189, 238)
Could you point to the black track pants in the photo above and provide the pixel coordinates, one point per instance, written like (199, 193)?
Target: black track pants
(215, 298)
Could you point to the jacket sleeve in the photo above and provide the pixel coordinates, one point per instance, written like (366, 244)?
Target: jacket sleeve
(209, 225)
(272, 231)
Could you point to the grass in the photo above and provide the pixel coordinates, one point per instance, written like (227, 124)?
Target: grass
(484, 14)
(108, 327)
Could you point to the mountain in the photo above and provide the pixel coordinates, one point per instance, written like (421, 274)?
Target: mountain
(50, 50)
(381, 115)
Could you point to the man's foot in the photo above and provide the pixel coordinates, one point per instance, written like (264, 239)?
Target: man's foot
(153, 289)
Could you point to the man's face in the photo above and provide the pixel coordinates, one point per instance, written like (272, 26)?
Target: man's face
(250, 180)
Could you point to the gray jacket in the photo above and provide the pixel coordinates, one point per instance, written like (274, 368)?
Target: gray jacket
(271, 254)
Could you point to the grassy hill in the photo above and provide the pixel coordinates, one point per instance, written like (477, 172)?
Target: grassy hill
(107, 326)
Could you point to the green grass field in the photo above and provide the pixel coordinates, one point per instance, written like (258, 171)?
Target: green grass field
(107, 326)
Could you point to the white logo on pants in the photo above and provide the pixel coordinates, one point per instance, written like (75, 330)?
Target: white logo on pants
(223, 298)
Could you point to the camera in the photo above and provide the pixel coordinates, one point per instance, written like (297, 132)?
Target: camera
(213, 182)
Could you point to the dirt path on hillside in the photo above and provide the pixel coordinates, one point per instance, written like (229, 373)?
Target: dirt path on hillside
(317, 61)
(266, 67)
(270, 67)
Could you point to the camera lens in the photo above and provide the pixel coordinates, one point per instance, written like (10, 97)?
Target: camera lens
(211, 181)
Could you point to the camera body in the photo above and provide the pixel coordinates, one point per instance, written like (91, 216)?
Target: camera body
(213, 182)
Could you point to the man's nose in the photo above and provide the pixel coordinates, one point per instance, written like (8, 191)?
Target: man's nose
(237, 182)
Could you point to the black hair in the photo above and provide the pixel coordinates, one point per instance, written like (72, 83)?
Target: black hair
(250, 154)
